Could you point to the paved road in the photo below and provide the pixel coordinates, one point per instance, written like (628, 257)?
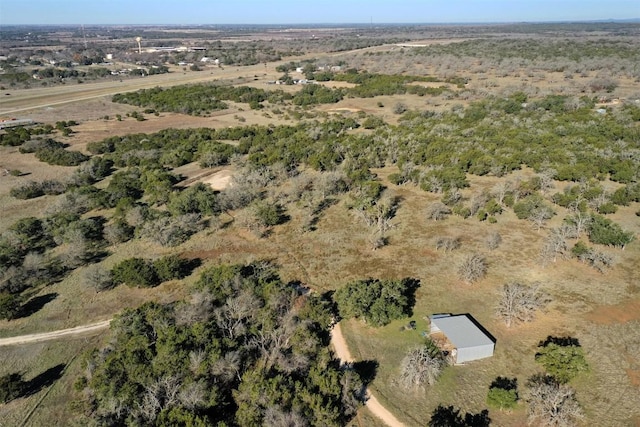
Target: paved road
(46, 336)
(342, 351)
(40, 97)
(29, 99)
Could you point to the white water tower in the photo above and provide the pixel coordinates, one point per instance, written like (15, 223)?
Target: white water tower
(139, 39)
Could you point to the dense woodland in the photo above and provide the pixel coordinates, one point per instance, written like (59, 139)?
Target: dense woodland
(246, 349)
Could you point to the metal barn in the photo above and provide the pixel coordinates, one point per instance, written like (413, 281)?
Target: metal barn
(468, 340)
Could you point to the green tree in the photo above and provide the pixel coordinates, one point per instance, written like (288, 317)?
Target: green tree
(378, 302)
(268, 214)
(173, 267)
(562, 357)
(198, 198)
(136, 272)
(9, 305)
(12, 386)
(603, 231)
(503, 393)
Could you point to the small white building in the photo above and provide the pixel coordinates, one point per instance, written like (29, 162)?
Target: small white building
(466, 339)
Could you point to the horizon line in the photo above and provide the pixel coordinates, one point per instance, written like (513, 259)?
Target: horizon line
(586, 21)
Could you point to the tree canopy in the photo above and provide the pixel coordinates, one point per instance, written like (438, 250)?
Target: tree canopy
(376, 301)
(246, 349)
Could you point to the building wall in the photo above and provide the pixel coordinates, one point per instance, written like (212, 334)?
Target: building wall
(474, 353)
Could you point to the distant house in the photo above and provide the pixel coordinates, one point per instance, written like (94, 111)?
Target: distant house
(462, 337)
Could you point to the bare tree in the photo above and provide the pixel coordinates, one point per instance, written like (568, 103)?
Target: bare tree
(501, 189)
(451, 196)
(193, 395)
(520, 302)
(438, 211)
(78, 250)
(330, 183)
(478, 200)
(555, 245)
(421, 366)
(227, 368)
(196, 359)
(596, 259)
(447, 243)
(117, 232)
(472, 268)
(98, 278)
(546, 179)
(199, 309)
(493, 240)
(233, 315)
(551, 403)
(275, 416)
(580, 220)
(539, 216)
(160, 394)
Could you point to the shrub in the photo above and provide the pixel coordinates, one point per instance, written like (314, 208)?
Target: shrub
(135, 272)
(268, 214)
(168, 231)
(399, 108)
(503, 393)
(60, 157)
(172, 267)
(472, 268)
(9, 305)
(29, 190)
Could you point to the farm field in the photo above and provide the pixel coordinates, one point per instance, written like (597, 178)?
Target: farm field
(327, 192)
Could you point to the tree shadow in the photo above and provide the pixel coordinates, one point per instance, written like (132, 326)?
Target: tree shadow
(45, 379)
(411, 286)
(35, 304)
(367, 370)
(560, 341)
(316, 214)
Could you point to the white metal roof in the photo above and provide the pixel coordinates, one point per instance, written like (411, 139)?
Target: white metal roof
(461, 331)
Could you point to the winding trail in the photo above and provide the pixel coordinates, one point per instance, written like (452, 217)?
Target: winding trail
(342, 351)
(337, 340)
(46, 336)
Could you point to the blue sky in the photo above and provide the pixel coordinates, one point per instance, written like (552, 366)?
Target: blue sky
(187, 12)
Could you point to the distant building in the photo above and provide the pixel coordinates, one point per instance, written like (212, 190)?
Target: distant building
(462, 337)
(11, 122)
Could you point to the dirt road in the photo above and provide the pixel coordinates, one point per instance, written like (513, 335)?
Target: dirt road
(342, 351)
(337, 339)
(46, 336)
